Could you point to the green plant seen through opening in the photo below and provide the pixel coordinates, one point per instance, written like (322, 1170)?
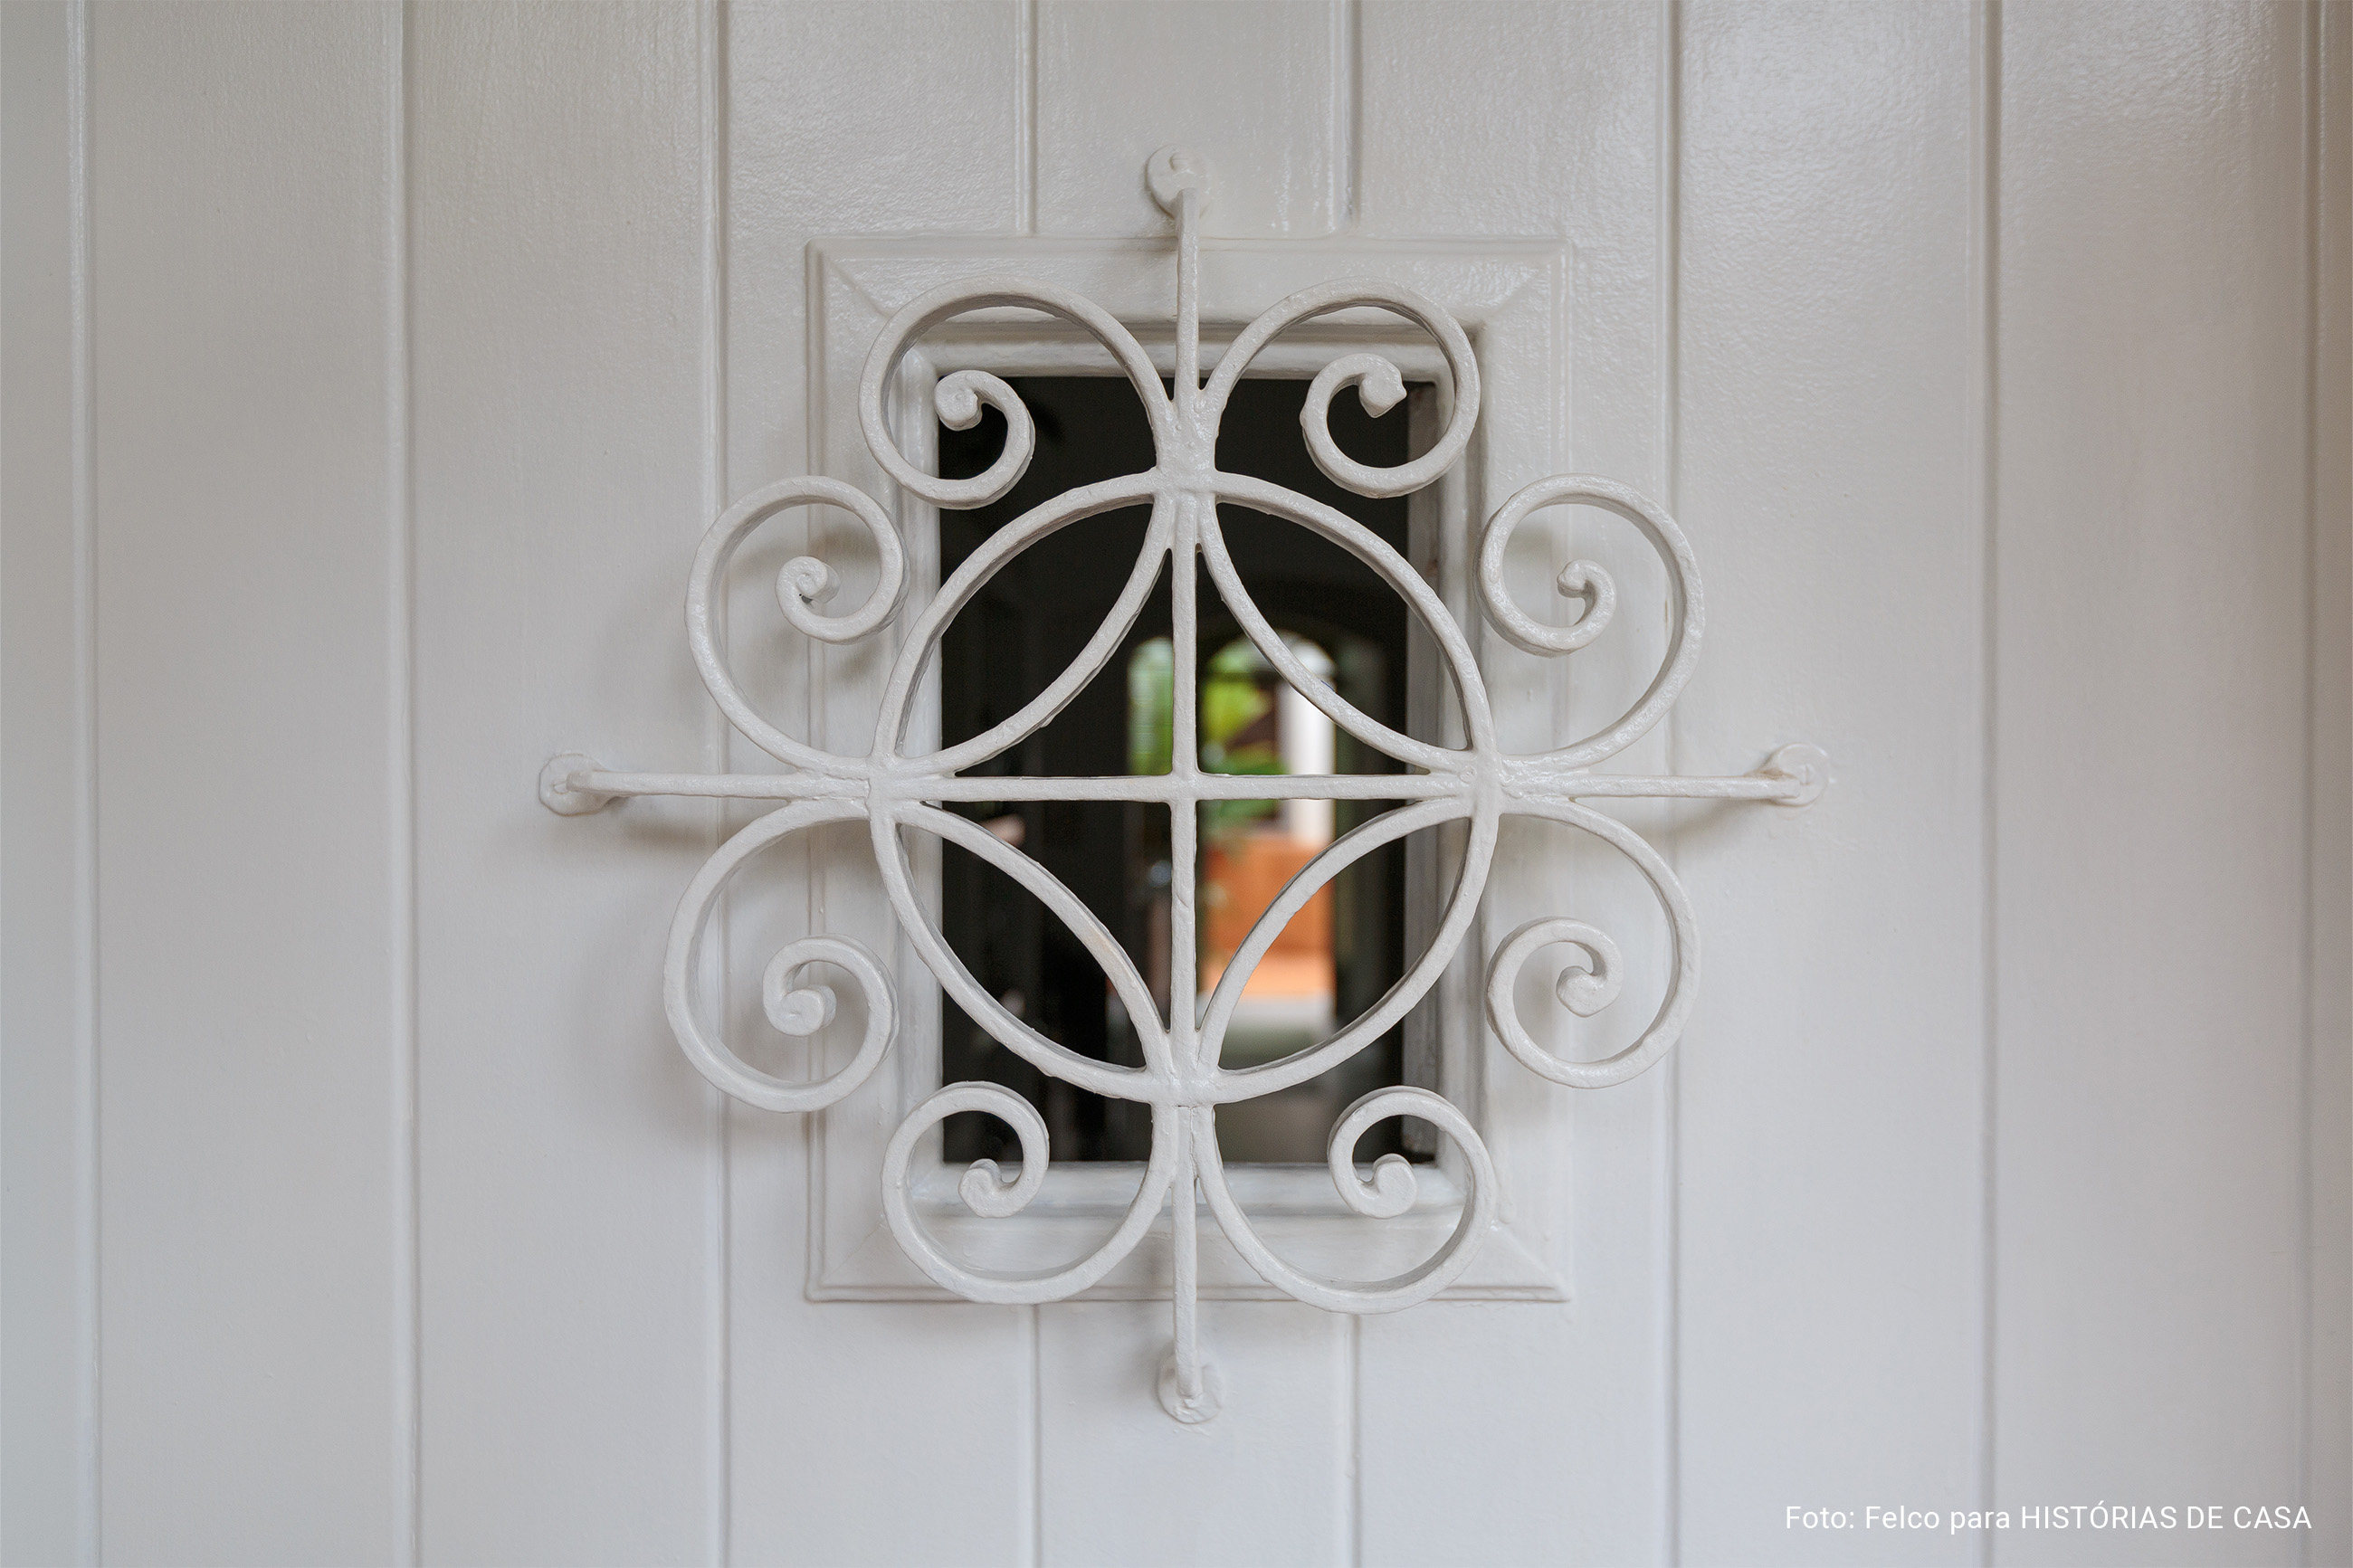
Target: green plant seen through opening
(1233, 697)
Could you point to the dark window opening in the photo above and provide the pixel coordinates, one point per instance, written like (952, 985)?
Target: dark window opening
(1344, 950)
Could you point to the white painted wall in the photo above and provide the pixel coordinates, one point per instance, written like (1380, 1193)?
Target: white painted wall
(369, 371)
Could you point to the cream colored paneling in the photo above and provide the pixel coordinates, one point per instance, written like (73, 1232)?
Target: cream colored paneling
(820, 140)
(47, 1347)
(1830, 1141)
(573, 1376)
(2150, 645)
(243, 292)
(1260, 88)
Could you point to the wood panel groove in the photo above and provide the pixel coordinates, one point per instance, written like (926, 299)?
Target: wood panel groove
(89, 1188)
(2323, 1391)
(2308, 979)
(1347, 109)
(1025, 117)
(1985, 290)
(1354, 1524)
(711, 89)
(1667, 1178)
(1032, 1480)
(407, 1349)
(2327, 1392)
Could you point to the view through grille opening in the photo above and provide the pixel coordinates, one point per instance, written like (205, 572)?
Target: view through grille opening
(1342, 952)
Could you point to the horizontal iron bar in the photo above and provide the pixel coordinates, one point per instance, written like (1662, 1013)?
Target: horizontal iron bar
(1023, 787)
(1170, 787)
(1198, 786)
(1595, 786)
(726, 786)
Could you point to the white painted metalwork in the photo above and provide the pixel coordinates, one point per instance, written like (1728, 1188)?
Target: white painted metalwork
(1181, 1078)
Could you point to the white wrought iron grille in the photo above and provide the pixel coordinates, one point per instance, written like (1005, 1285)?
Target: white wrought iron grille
(1181, 1079)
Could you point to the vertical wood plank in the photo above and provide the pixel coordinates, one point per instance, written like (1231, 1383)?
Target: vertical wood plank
(1534, 120)
(242, 277)
(1831, 1133)
(1251, 87)
(2328, 1377)
(2151, 734)
(559, 450)
(863, 1433)
(46, 1328)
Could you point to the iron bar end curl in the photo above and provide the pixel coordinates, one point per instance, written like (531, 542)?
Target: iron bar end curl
(1182, 1079)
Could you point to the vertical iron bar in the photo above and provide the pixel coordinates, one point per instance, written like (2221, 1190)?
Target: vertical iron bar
(1187, 1204)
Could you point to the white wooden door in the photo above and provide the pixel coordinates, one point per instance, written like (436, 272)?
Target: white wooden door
(372, 373)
